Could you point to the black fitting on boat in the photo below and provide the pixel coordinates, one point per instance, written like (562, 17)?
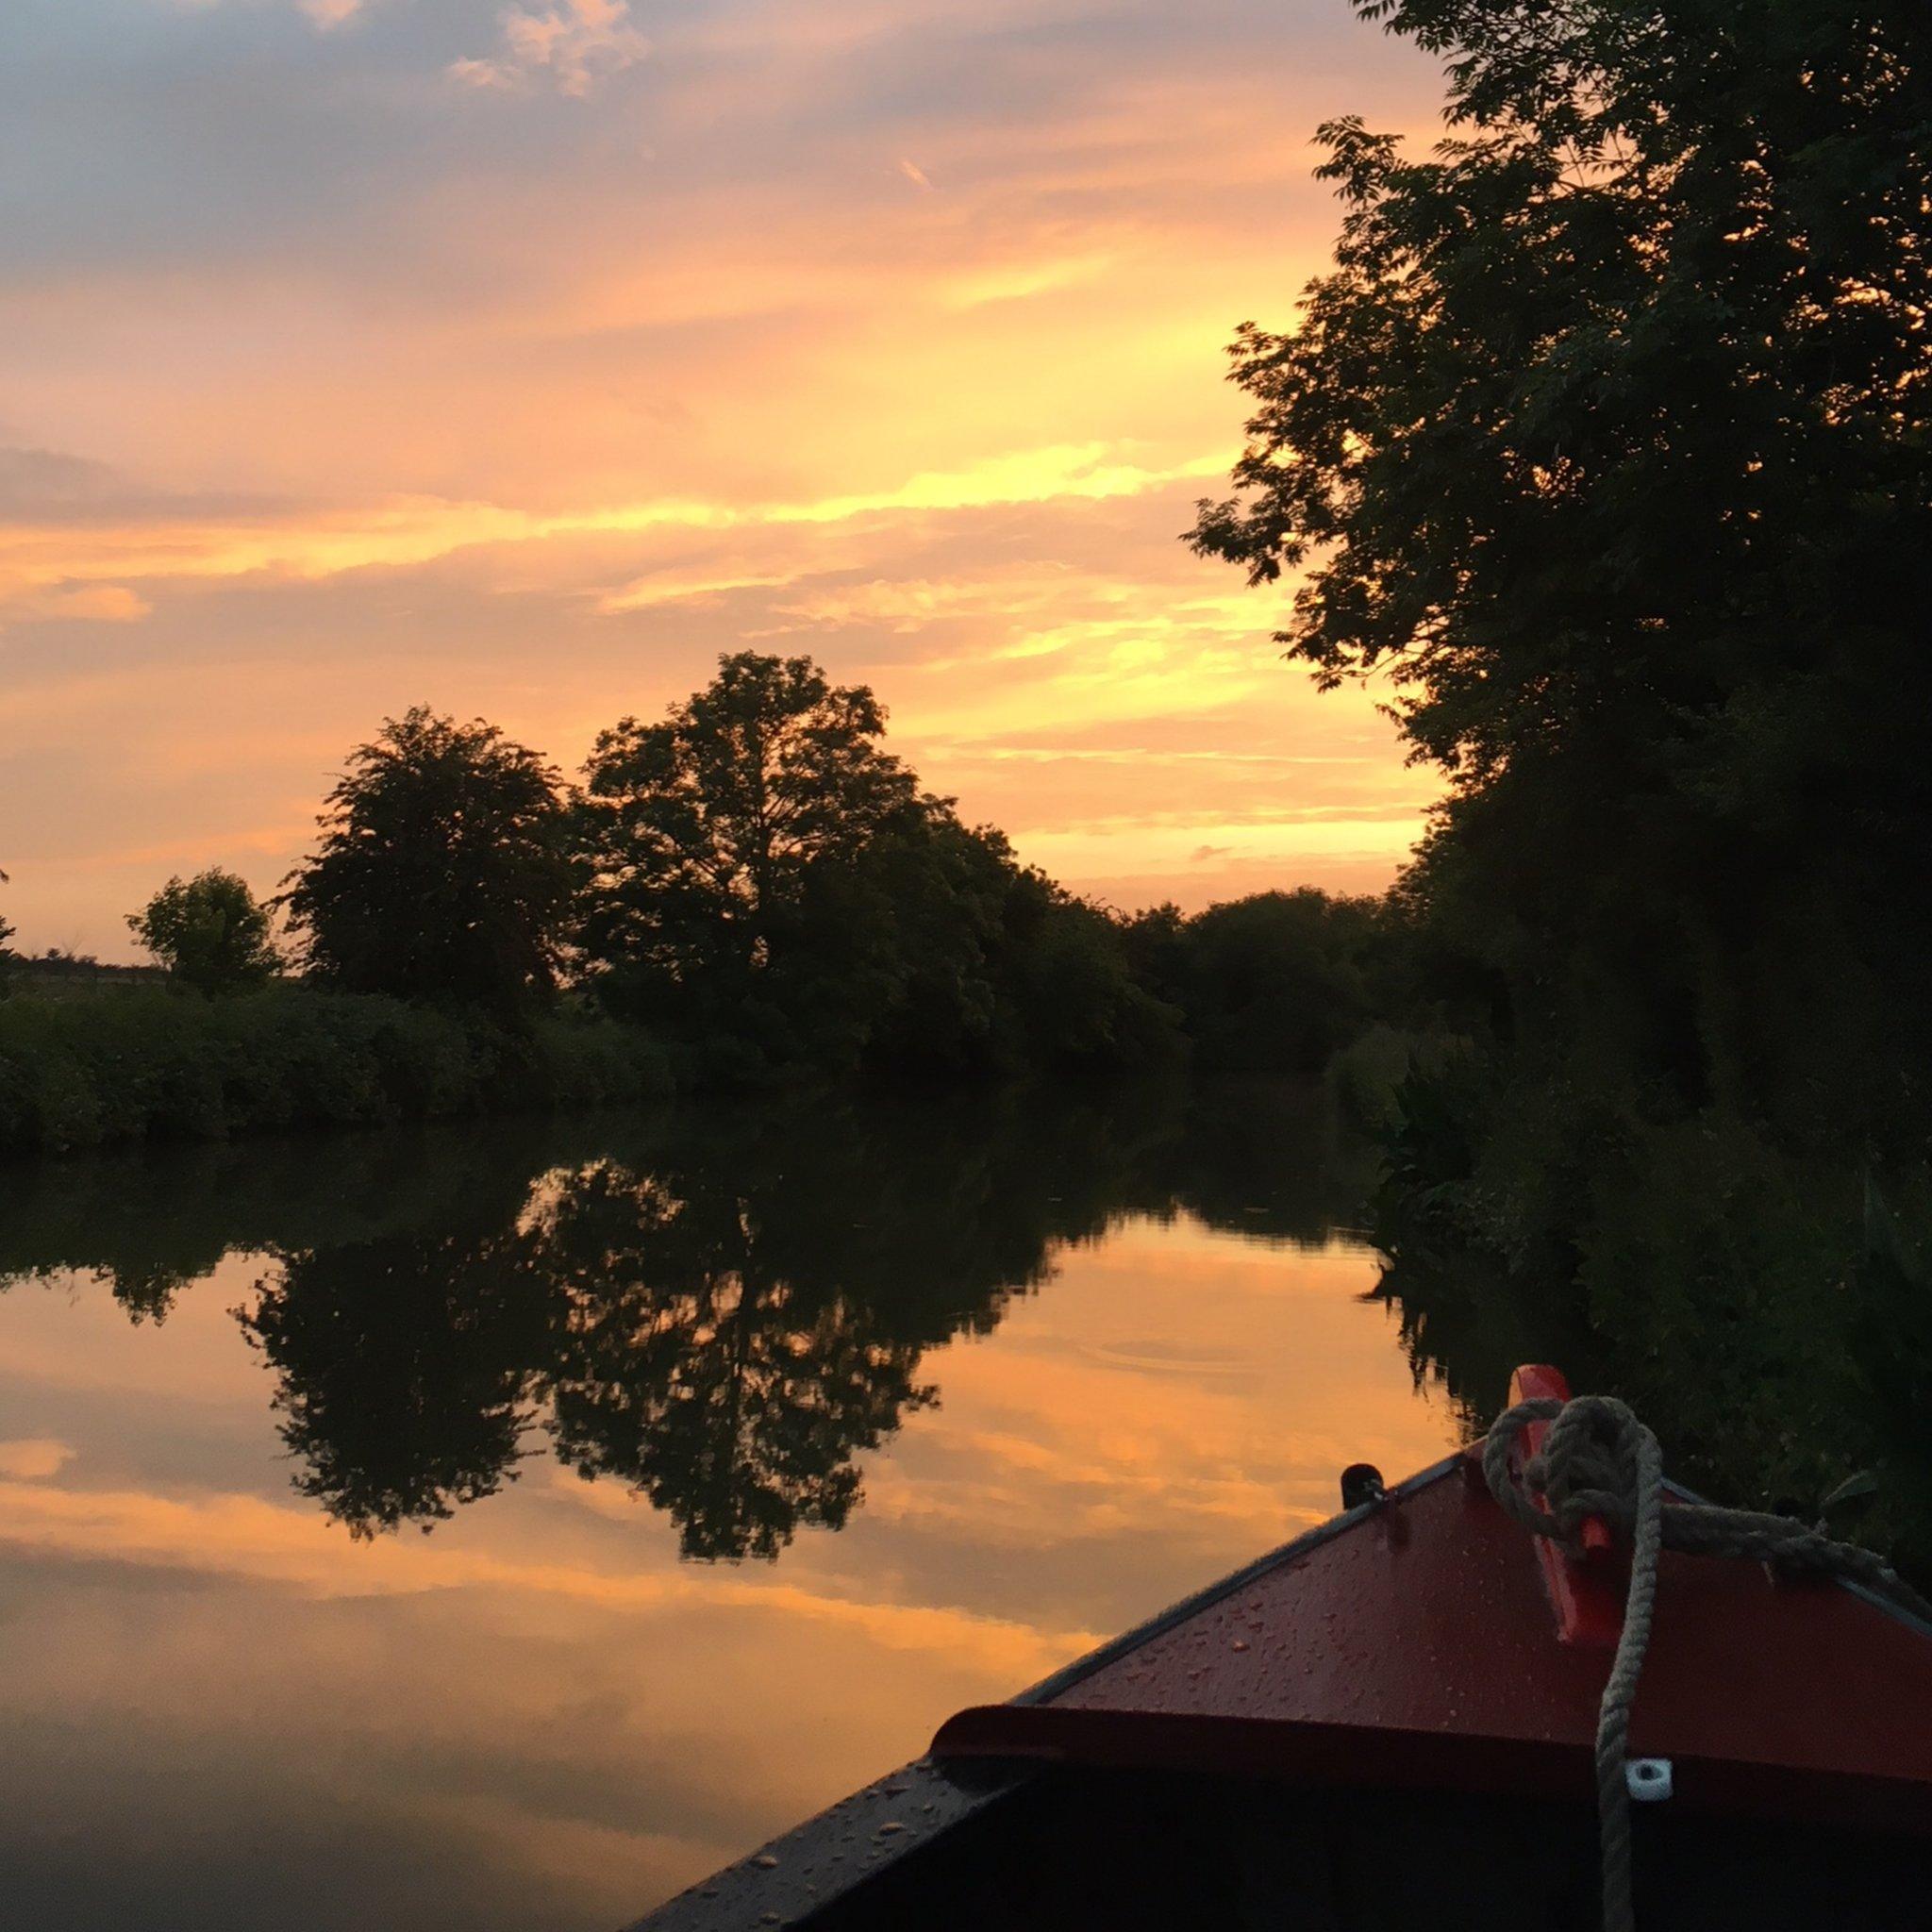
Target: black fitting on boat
(1361, 1482)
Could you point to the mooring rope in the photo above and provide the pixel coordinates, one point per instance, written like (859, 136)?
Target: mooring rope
(1598, 1459)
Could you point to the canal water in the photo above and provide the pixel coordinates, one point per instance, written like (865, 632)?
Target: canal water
(503, 1526)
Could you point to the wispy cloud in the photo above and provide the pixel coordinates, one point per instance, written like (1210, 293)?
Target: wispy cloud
(678, 587)
(28, 1457)
(39, 557)
(328, 13)
(82, 603)
(571, 46)
(234, 1533)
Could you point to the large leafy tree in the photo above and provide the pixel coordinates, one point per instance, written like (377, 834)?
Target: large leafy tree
(772, 884)
(208, 932)
(1601, 449)
(738, 851)
(1603, 445)
(444, 869)
(1276, 982)
(706, 826)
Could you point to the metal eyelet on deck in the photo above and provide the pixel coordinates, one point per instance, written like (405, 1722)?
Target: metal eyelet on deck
(1648, 1779)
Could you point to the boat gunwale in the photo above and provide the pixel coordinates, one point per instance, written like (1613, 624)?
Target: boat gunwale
(1313, 1537)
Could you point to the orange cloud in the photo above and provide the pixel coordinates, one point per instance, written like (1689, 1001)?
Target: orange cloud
(96, 603)
(30, 1457)
(242, 1536)
(407, 532)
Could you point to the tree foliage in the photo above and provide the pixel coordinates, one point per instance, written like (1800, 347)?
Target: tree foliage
(1273, 983)
(770, 884)
(208, 932)
(444, 869)
(403, 1378)
(706, 826)
(696, 1364)
(1604, 444)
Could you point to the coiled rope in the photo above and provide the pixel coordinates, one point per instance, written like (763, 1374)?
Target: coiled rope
(1598, 1459)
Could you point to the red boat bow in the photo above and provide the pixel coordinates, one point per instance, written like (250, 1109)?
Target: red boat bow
(1423, 1640)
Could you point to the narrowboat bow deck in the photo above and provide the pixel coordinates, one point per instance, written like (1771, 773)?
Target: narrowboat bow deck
(1390, 1723)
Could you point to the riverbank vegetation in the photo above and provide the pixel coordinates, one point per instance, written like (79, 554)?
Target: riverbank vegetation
(119, 1065)
(751, 892)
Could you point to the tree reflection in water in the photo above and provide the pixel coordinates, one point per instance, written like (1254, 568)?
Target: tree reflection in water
(406, 1367)
(727, 1311)
(724, 1311)
(696, 1360)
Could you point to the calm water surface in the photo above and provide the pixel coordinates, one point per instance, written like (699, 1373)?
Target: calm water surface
(503, 1527)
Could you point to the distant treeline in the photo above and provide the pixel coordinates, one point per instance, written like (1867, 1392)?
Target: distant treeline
(750, 892)
(55, 969)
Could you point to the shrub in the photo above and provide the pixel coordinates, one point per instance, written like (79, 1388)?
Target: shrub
(208, 932)
(81, 1072)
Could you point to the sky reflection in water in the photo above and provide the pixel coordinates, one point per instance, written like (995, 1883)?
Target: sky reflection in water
(1042, 1371)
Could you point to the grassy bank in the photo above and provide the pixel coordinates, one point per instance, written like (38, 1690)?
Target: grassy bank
(132, 1065)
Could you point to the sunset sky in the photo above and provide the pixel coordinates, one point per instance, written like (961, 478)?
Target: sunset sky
(517, 360)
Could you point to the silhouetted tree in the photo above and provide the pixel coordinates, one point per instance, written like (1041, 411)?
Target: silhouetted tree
(1065, 971)
(208, 932)
(444, 869)
(1603, 442)
(902, 949)
(934, 953)
(705, 829)
(771, 883)
(1273, 983)
(5, 934)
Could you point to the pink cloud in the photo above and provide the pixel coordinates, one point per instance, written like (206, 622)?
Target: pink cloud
(572, 45)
